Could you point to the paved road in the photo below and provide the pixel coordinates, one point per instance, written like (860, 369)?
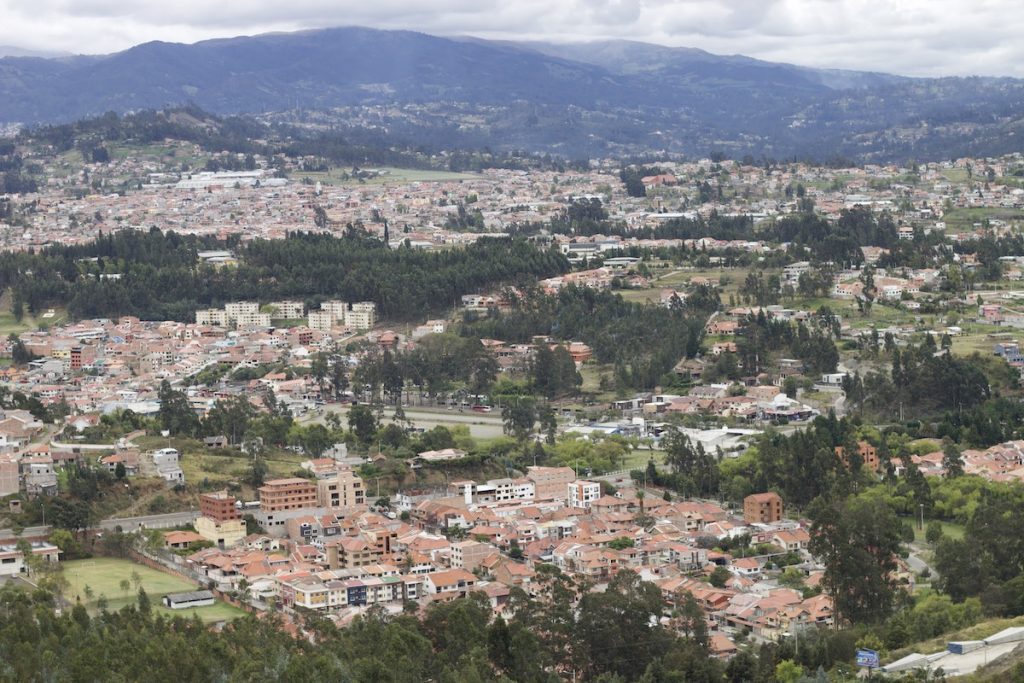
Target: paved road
(167, 521)
(481, 425)
(28, 532)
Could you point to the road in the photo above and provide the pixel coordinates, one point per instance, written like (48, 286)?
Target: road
(481, 425)
(166, 521)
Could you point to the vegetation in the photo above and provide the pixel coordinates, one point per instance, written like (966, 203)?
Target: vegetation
(162, 278)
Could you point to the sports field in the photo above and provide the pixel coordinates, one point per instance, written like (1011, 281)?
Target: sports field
(104, 576)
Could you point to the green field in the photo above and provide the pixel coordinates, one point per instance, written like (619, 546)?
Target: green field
(104, 576)
(949, 529)
(963, 219)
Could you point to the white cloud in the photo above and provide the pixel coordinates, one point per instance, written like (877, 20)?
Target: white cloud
(914, 37)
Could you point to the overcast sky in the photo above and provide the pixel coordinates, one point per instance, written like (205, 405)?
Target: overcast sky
(911, 37)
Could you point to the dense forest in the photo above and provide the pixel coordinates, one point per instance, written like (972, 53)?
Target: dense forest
(159, 276)
(642, 342)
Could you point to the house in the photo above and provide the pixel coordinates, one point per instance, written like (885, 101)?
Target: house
(181, 540)
(452, 582)
(793, 540)
(216, 442)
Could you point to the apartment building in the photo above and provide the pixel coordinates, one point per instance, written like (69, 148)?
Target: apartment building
(320, 320)
(279, 495)
(582, 494)
(212, 316)
(549, 483)
(220, 520)
(288, 309)
(345, 489)
(336, 309)
(762, 508)
(362, 315)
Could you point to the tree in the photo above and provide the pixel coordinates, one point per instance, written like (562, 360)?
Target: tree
(857, 540)
(176, 414)
(258, 471)
(933, 533)
(788, 671)
(518, 415)
(695, 469)
(619, 618)
(363, 423)
(719, 576)
(952, 461)
(120, 472)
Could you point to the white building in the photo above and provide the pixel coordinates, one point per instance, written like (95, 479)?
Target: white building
(212, 316)
(336, 309)
(288, 309)
(583, 493)
(362, 316)
(320, 320)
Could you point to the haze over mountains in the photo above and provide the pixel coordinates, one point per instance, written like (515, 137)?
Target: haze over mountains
(611, 97)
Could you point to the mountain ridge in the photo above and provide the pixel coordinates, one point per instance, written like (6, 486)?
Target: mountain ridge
(600, 97)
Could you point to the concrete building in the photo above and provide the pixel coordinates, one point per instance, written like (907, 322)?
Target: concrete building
(212, 316)
(346, 489)
(9, 476)
(288, 309)
(12, 560)
(469, 554)
(220, 521)
(320, 320)
(167, 463)
(550, 483)
(582, 494)
(362, 315)
(762, 508)
(279, 495)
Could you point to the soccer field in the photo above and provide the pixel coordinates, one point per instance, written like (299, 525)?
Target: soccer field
(104, 576)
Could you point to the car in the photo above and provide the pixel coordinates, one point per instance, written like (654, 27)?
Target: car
(482, 409)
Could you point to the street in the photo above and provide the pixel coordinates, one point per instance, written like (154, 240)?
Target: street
(481, 425)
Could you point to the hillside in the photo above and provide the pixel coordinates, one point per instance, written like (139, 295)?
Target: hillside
(587, 99)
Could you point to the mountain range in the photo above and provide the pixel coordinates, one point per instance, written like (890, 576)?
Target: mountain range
(587, 99)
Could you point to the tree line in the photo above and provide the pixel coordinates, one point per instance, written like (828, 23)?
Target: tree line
(643, 342)
(160, 276)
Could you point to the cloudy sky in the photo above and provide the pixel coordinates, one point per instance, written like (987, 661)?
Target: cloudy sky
(912, 37)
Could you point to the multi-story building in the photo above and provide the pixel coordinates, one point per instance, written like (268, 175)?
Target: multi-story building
(550, 483)
(581, 494)
(9, 479)
(237, 309)
(349, 552)
(252, 320)
(362, 315)
(343, 490)
(469, 554)
(336, 309)
(278, 495)
(320, 320)
(762, 508)
(212, 316)
(220, 520)
(288, 309)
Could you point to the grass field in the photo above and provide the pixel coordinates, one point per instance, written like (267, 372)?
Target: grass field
(962, 219)
(104, 576)
(950, 530)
